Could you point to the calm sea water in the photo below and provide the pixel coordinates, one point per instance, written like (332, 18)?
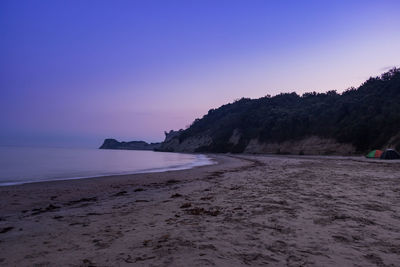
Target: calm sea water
(30, 164)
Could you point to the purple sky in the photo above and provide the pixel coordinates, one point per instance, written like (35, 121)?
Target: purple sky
(75, 72)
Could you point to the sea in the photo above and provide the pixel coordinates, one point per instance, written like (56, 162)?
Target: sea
(19, 165)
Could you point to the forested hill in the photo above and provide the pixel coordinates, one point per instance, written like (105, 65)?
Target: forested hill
(364, 118)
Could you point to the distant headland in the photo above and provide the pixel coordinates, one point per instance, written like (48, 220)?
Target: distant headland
(133, 145)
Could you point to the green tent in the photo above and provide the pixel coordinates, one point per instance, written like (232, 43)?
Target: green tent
(374, 154)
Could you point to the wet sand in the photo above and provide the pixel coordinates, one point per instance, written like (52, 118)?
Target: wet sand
(246, 210)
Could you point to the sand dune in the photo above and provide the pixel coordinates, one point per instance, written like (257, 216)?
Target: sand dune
(247, 210)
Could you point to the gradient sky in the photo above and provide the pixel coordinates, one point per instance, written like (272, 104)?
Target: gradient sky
(75, 72)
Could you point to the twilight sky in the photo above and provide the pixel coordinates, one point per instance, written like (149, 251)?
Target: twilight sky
(75, 72)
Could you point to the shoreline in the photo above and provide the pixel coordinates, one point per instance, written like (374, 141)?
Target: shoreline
(110, 183)
(187, 166)
(210, 161)
(245, 210)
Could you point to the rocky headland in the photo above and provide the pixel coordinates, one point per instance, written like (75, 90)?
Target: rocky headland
(133, 145)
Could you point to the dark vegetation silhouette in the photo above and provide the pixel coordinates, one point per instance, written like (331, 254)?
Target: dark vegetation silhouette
(366, 117)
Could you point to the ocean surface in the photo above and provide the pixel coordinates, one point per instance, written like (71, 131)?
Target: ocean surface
(20, 165)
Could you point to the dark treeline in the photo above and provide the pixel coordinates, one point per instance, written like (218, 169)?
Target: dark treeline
(366, 117)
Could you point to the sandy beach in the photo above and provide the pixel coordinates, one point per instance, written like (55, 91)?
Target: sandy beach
(245, 210)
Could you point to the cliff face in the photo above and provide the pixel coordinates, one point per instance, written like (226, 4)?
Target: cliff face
(133, 145)
(313, 145)
(192, 144)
